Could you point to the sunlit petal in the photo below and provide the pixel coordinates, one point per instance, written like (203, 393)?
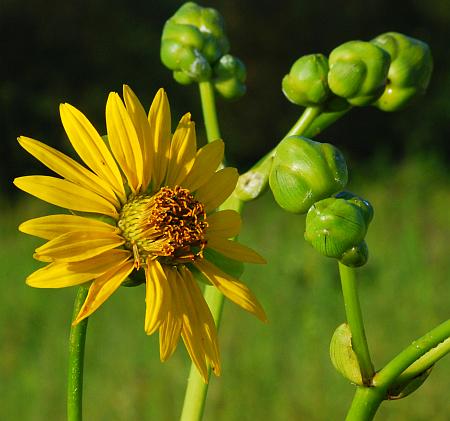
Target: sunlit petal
(103, 287)
(124, 141)
(141, 124)
(231, 288)
(182, 151)
(65, 194)
(59, 275)
(91, 148)
(78, 245)
(218, 188)
(206, 163)
(68, 168)
(160, 134)
(225, 223)
(234, 250)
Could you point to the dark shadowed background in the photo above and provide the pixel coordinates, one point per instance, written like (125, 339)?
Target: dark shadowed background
(55, 52)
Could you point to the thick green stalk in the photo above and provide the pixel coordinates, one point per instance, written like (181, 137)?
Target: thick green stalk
(77, 339)
(197, 389)
(209, 111)
(355, 322)
(432, 346)
(365, 403)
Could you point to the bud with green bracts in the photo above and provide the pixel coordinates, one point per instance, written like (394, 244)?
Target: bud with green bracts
(305, 171)
(229, 77)
(409, 72)
(358, 72)
(336, 227)
(307, 84)
(193, 39)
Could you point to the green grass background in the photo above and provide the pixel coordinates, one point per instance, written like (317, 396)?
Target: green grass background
(279, 371)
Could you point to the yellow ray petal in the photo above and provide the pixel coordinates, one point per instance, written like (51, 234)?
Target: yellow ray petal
(52, 226)
(59, 275)
(191, 330)
(234, 250)
(206, 162)
(103, 287)
(78, 245)
(139, 117)
(231, 288)
(225, 223)
(182, 151)
(160, 134)
(124, 141)
(65, 194)
(91, 148)
(170, 330)
(68, 168)
(218, 188)
(207, 331)
(157, 296)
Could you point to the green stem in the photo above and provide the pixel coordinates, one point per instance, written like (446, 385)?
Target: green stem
(209, 110)
(197, 389)
(365, 403)
(77, 339)
(323, 121)
(432, 346)
(355, 322)
(305, 120)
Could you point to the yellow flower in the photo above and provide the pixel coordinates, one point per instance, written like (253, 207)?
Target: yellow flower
(161, 196)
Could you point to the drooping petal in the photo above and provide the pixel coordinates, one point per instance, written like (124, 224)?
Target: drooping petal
(182, 151)
(139, 117)
(170, 329)
(59, 275)
(157, 296)
(91, 148)
(103, 287)
(207, 331)
(231, 288)
(68, 168)
(206, 163)
(65, 194)
(225, 224)
(52, 226)
(234, 250)
(78, 245)
(190, 332)
(160, 134)
(124, 141)
(218, 188)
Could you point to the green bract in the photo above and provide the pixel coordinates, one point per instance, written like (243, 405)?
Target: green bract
(229, 77)
(193, 40)
(306, 84)
(358, 72)
(336, 227)
(409, 72)
(305, 171)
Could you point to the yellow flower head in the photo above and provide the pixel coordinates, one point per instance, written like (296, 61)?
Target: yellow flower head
(161, 195)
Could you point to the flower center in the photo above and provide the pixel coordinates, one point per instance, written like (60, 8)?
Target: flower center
(169, 225)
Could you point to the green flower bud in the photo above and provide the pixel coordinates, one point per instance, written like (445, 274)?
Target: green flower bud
(192, 40)
(358, 72)
(305, 171)
(229, 77)
(356, 256)
(342, 355)
(334, 226)
(409, 72)
(364, 205)
(307, 83)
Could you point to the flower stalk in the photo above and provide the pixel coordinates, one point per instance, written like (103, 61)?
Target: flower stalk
(355, 322)
(77, 339)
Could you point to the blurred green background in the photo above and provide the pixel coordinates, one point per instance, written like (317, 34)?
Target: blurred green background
(56, 52)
